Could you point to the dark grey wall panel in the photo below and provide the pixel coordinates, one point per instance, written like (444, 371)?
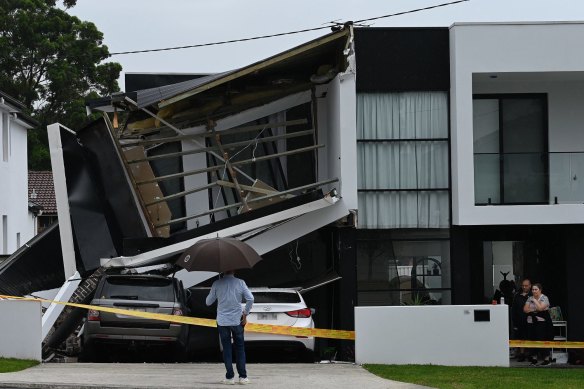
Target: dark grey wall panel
(120, 208)
(402, 59)
(36, 266)
(92, 236)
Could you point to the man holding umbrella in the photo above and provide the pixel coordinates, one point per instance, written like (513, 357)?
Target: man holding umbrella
(229, 292)
(224, 255)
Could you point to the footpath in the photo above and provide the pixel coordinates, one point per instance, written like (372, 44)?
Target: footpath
(193, 375)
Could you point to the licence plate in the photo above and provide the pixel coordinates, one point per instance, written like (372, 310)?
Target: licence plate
(137, 309)
(122, 316)
(267, 316)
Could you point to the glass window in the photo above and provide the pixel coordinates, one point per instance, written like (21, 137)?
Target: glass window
(275, 298)
(403, 209)
(403, 270)
(403, 162)
(510, 149)
(126, 288)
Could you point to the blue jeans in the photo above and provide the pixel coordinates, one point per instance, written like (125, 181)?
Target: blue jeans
(225, 333)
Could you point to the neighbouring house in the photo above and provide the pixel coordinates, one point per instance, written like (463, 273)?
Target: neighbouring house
(41, 195)
(17, 219)
(471, 154)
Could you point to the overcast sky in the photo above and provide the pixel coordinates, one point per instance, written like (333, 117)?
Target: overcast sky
(150, 24)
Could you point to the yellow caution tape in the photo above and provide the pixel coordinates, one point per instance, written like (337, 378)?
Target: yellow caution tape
(545, 344)
(250, 327)
(272, 329)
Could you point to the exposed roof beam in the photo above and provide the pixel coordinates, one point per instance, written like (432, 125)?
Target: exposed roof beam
(238, 163)
(227, 146)
(256, 199)
(180, 132)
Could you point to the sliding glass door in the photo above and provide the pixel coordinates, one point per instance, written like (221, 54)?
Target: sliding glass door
(510, 149)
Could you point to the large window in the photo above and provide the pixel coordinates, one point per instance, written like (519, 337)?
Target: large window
(403, 267)
(510, 149)
(403, 160)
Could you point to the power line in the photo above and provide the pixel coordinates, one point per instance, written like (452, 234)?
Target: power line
(411, 11)
(285, 33)
(221, 42)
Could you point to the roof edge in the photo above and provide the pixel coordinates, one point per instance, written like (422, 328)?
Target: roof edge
(257, 65)
(525, 23)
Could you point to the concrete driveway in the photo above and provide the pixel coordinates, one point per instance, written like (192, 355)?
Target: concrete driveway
(195, 375)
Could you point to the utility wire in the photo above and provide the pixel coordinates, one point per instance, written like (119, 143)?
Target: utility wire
(222, 42)
(411, 11)
(287, 33)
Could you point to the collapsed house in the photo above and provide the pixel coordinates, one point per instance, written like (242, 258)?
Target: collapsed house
(253, 153)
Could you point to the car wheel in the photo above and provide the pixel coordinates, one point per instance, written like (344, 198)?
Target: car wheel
(90, 353)
(179, 353)
(307, 356)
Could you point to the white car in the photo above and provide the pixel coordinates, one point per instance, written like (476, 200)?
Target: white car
(284, 307)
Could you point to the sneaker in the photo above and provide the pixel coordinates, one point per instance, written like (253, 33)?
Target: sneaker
(228, 381)
(243, 381)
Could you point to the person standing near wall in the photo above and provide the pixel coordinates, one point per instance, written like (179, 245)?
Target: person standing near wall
(519, 318)
(229, 292)
(539, 323)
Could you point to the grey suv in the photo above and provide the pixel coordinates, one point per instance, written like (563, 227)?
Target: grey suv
(146, 293)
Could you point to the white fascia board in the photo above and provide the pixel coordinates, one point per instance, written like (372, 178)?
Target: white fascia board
(54, 310)
(5, 106)
(21, 122)
(62, 198)
(298, 227)
(154, 256)
(192, 278)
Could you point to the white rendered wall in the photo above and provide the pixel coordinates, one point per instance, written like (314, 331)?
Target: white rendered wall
(514, 48)
(341, 137)
(62, 198)
(20, 326)
(438, 335)
(14, 194)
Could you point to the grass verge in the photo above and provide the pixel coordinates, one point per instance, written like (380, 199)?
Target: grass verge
(450, 377)
(8, 365)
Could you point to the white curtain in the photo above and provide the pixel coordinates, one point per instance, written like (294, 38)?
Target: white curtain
(408, 115)
(412, 164)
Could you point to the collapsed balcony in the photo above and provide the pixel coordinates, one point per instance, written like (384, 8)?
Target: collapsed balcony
(219, 146)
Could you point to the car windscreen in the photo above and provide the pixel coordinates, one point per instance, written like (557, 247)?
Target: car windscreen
(137, 289)
(275, 298)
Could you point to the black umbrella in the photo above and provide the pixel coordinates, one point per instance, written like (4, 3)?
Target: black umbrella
(218, 255)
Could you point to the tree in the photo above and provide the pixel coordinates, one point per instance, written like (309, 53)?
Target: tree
(66, 3)
(52, 62)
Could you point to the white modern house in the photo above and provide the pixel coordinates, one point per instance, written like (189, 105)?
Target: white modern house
(18, 223)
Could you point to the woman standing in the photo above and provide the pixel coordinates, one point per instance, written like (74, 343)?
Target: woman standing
(539, 323)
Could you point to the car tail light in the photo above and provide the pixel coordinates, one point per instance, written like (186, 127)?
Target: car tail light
(299, 313)
(177, 312)
(92, 315)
